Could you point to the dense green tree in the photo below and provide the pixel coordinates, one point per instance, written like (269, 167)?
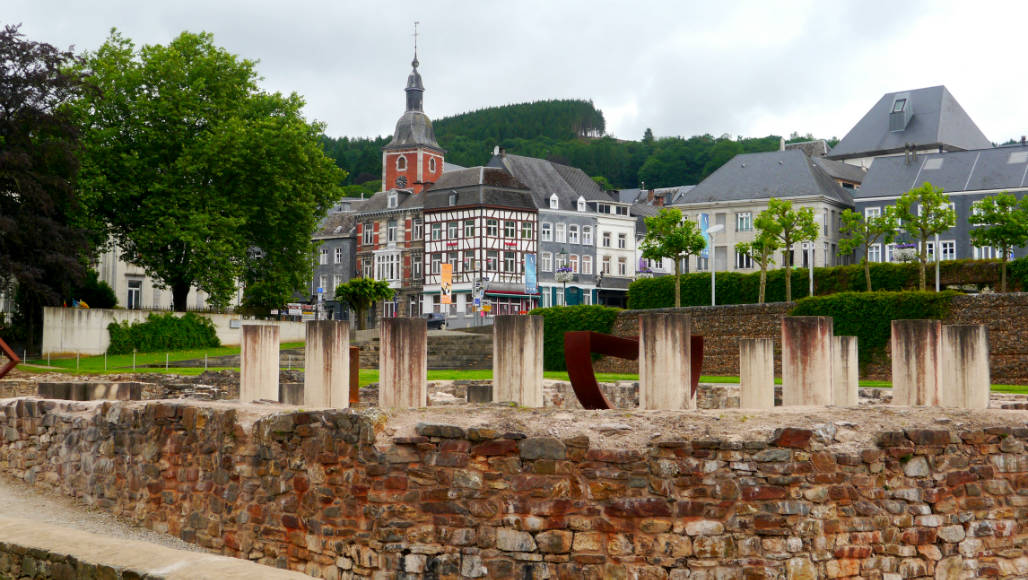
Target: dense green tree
(1002, 222)
(360, 294)
(202, 178)
(762, 250)
(670, 236)
(787, 226)
(862, 232)
(42, 244)
(923, 212)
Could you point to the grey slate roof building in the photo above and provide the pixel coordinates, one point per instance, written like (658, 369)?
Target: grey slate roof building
(928, 118)
(489, 186)
(964, 176)
(414, 128)
(545, 178)
(761, 176)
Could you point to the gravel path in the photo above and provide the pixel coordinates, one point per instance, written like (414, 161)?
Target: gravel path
(20, 500)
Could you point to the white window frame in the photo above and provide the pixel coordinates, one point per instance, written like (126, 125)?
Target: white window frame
(587, 265)
(401, 163)
(437, 231)
(606, 237)
(622, 241)
(744, 221)
(573, 262)
(492, 227)
(452, 230)
(393, 199)
(527, 231)
(510, 229)
(469, 228)
(605, 269)
(546, 232)
(391, 229)
(546, 262)
(581, 204)
(572, 234)
(872, 212)
(587, 235)
(560, 234)
(419, 229)
(948, 249)
(368, 234)
(874, 253)
(743, 261)
(323, 257)
(554, 200)
(339, 255)
(622, 266)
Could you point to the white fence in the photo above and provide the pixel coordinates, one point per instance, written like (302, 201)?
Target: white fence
(84, 330)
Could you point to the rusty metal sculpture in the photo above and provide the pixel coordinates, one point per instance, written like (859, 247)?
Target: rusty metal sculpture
(579, 347)
(12, 361)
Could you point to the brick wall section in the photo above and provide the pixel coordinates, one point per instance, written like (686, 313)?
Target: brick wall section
(1005, 315)
(312, 492)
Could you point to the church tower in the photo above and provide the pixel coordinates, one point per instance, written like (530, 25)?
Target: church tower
(413, 160)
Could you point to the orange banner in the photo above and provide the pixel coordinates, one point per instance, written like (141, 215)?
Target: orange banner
(446, 283)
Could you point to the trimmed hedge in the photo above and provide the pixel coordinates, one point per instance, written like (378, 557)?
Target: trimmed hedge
(162, 332)
(869, 315)
(739, 288)
(560, 319)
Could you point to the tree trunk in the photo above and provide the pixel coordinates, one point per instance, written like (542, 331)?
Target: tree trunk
(763, 281)
(867, 269)
(1003, 272)
(362, 320)
(923, 255)
(179, 295)
(678, 283)
(788, 273)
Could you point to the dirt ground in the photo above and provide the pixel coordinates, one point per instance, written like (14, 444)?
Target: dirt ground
(850, 428)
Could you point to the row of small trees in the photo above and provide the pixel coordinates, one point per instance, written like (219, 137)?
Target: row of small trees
(920, 213)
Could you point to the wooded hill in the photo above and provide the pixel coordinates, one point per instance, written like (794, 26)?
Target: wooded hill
(565, 131)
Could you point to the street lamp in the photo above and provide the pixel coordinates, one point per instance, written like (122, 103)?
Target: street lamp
(938, 256)
(563, 274)
(710, 232)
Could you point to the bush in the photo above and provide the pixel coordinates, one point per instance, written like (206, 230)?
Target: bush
(869, 315)
(740, 288)
(162, 332)
(95, 292)
(560, 319)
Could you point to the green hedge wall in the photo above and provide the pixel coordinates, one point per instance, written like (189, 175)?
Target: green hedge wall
(162, 332)
(560, 319)
(869, 315)
(739, 288)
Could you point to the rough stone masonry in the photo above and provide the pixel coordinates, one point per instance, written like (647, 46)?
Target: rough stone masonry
(329, 493)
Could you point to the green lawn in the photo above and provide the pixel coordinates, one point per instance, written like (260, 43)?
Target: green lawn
(98, 365)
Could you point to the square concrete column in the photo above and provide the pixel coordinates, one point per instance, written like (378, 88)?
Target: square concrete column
(965, 356)
(258, 363)
(665, 369)
(518, 360)
(917, 363)
(756, 373)
(845, 371)
(403, 363)
(326, 376)
(806, 360)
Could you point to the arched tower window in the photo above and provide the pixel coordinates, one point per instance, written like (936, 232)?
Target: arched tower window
(401, 163)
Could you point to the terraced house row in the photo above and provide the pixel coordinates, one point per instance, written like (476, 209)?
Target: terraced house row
(521, 232)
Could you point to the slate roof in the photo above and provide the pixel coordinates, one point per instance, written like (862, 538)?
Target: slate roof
(479, 186)
(636, 195)
(937, 120)
(337, 225)
(779, 174)
(380, 201)
(815, 148)
(1001, 168)
(841, 170)
(544, 178)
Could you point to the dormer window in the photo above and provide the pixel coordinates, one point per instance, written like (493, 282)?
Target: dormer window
(900, 113)
(553, 201)
(393, 200)
(581, 203)
(897, 107)
(401, 163)
(453, 198)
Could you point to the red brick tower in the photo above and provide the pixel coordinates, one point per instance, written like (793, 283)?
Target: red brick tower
(413, 160)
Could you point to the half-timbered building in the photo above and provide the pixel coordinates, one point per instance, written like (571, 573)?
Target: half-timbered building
(483, 222)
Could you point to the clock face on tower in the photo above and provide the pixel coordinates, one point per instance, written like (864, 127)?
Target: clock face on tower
(401, 181)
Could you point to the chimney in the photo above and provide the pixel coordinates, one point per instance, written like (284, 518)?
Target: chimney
(660, 200)
(781, 143)
(496, 150)
(1022, 141)
(649, 196)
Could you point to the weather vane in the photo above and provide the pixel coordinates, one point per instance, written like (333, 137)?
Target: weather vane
(416, 39)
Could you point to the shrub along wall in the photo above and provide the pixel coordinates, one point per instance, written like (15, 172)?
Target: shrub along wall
(560, 319)
(320, 492)
(162, 332)
(1005, 316)
(738, 288)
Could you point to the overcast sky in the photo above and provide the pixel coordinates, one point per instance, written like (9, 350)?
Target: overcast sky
(681, 68)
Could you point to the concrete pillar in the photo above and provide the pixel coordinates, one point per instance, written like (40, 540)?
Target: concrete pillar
(518, 360)
(664, 362)
(965, 377)
(845, 371)
(917, 363)
(258, 363)
(806, 360)
(756, 373)
(326, 376)
(403, 363)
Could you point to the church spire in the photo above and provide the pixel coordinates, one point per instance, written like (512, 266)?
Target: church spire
(415, 90)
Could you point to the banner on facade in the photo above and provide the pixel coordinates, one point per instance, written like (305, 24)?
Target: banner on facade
(446, 283)
(704, 224)
(530, 277)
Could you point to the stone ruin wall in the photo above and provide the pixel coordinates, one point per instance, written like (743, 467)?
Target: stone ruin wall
(1005, 316)
(320, 492)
